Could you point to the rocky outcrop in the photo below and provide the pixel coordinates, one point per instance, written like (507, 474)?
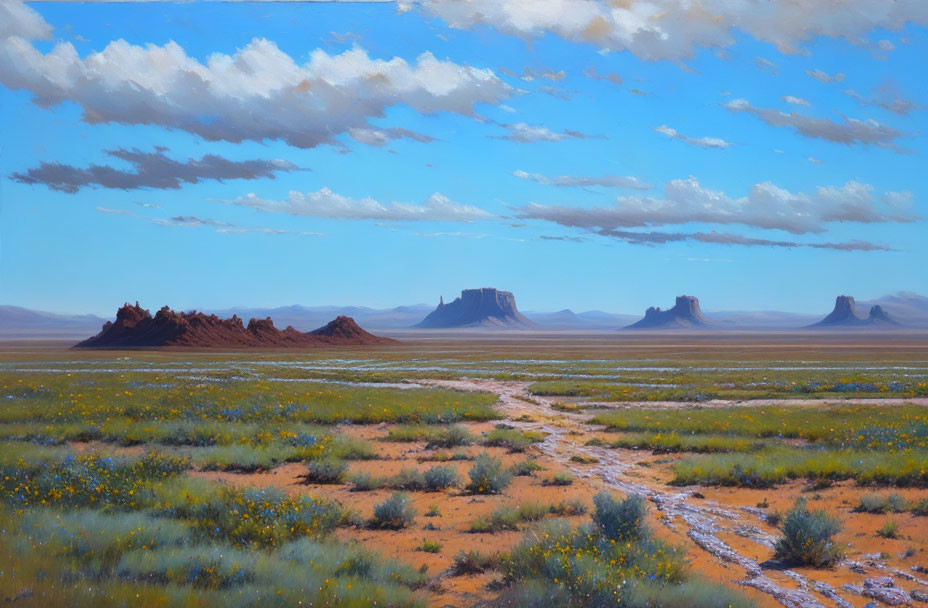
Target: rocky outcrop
(484, 307)
(135, 327)
(684, 314)
(878, 316)
(845, 315)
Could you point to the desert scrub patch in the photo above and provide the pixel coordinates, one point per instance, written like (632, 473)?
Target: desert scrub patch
(394, 513)
(890, 529)
(258, 401)
(808, 537)
(440, 478)
(769, 467)
(365, 482)
(243, 458)
(526, 468)
(91, 480)
(878, 503)
(262, 517)
(559, 479)
(512, 439)
(326, 471)
(474, 562)
(666, 443)
(889, 427)
(507, 517)
(487, 476)
(452, 437)
(430, 546)
(351, 448)
(583, 459)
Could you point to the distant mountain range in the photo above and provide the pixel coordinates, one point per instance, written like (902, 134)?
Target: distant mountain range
(909, 309)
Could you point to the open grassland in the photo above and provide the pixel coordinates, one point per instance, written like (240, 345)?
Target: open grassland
(348, 478)
(764, 445)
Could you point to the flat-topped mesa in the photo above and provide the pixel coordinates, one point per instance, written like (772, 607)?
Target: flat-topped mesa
(484, 307)
(684, 314)
(845, 315)
(135, 327)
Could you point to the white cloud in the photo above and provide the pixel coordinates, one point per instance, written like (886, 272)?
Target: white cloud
(848, 131)
(765, 206)
(796, 101)
(526, 134)
(702, 142)
(585, 181)
(325, 203)
(259, 93)
(671, 29)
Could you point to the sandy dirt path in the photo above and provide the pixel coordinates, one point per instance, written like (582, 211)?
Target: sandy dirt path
(707, 525)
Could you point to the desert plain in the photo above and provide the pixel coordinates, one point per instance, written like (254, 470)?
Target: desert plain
(470, 469)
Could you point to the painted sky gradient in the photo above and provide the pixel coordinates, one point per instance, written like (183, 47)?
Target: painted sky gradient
(260, 154)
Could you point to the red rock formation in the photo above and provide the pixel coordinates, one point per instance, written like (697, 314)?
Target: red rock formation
(134, 326)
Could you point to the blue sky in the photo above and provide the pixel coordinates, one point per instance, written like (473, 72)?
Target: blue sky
(611, 170)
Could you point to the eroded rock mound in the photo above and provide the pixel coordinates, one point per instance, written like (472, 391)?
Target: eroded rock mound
(845, 315)
(684, 314)
(484, 307)
(135, 327)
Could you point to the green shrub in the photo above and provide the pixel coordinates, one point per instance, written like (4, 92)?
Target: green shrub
(559, 479)
(568, 508)
(394, 513)
(326, 471)
(526, 468)
(872, 503)
(365, 482)
(487, 476)
(407, 479)
(512, 439)
(440, 478)
(258, 516)
(808, 537)
(351, 448)
(430, 546)
(621, 521)
(451, 437)
(889, 530)
(473, 562)
(920, 508)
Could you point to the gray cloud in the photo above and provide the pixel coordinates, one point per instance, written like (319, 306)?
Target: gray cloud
(585, 181)
(612, 77)
(848, 131)
(190, 221)
(887, 98)
(765, 206)
(150, 170)
(327, 204)
(723, 238)
(824, 77)
(259, 93)
(670, 29)
(702, 142)
(526, 134)
(766, 65)
(382, 137)
(528, 74)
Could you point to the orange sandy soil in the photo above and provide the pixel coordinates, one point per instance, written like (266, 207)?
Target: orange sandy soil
(458, 509)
